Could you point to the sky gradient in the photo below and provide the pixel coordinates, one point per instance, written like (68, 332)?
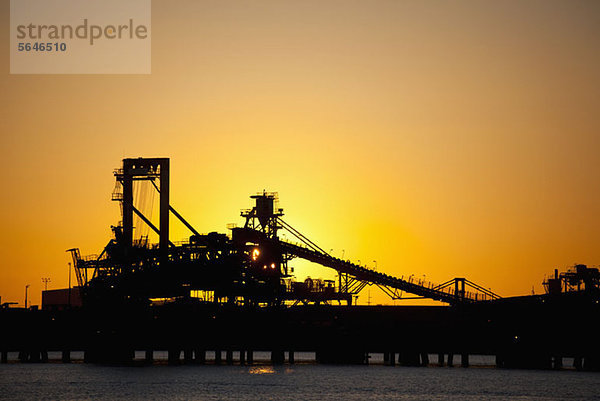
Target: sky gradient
(438, 138)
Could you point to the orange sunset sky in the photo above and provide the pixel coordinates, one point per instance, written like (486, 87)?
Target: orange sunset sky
(439, 138)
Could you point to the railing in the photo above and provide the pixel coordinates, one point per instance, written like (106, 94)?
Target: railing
(411, 285)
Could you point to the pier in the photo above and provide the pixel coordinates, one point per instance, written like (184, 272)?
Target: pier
(136, 296)
(519, 333)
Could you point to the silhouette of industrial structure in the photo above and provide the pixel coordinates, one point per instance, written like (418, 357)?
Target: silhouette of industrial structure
(136, 295)
(249, 268)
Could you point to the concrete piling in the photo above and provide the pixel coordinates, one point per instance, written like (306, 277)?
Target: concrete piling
(188, 355)
(277, 357)
(464, 360)
(591, 363)
(409, 358)
(200, 356)
(557, 362)
(173, 356)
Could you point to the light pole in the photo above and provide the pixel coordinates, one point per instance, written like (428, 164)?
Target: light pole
(375, 265)
(69, 285)
(45, 280)
(26, 288)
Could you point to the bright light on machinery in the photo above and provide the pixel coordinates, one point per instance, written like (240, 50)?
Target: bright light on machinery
(272, 265)
(255, 254)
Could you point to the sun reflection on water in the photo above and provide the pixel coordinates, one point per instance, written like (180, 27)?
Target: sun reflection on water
(261, 370)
